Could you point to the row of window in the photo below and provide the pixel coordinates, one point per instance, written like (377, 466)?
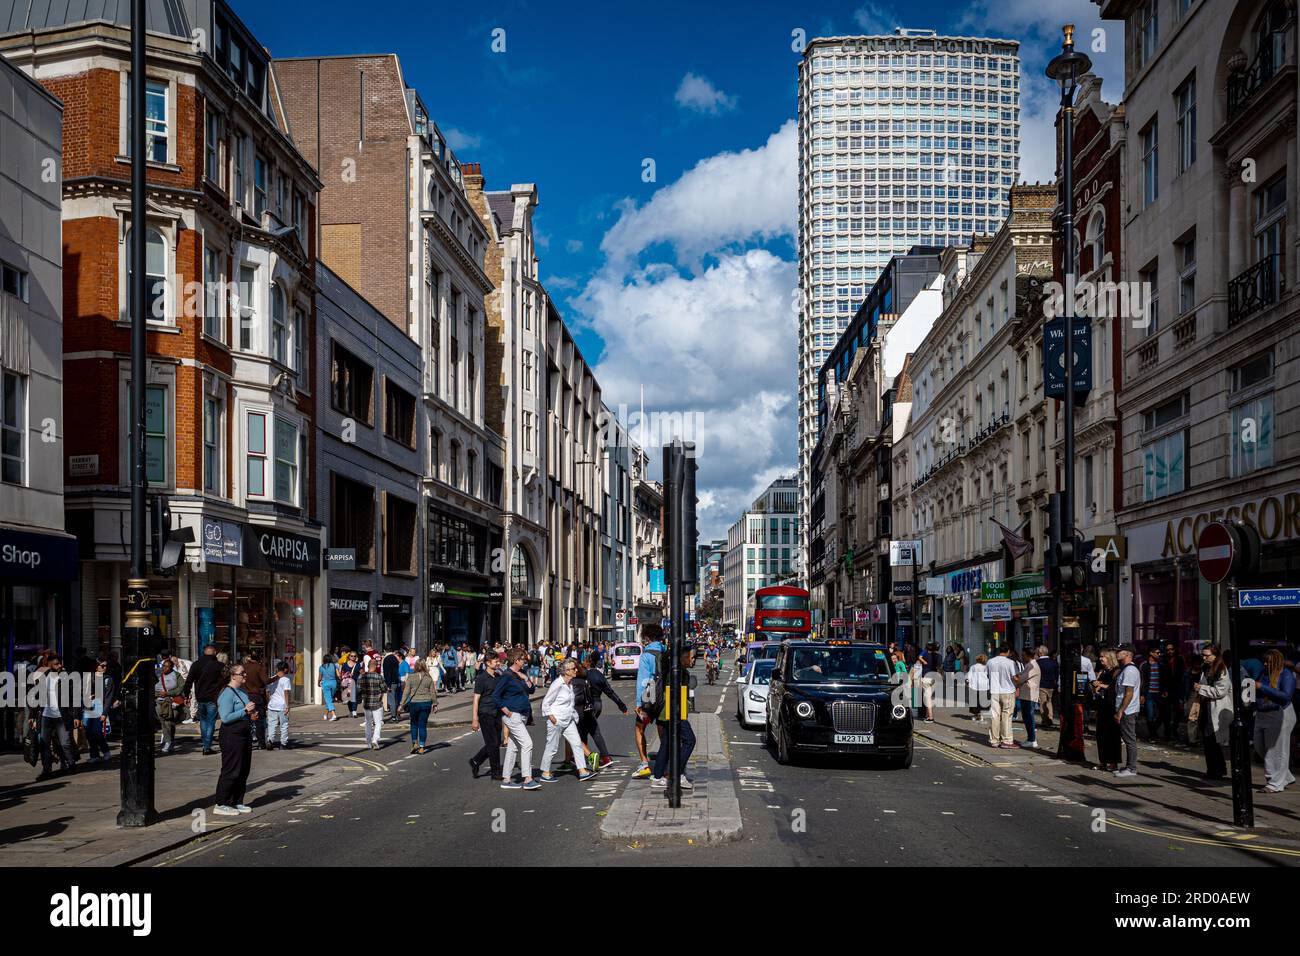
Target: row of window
(823, 62)
(352, 525)
(938, 126)
(352, 393)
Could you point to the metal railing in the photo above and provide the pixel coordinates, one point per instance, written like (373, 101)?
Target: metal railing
(1254, 290)
(1243, 86)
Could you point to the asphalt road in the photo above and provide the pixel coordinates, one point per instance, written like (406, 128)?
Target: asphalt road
(946, 810)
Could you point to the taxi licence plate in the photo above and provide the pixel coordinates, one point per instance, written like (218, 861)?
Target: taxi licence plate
(855, 738)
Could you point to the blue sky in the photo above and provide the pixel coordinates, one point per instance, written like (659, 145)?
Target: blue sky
(681, 285)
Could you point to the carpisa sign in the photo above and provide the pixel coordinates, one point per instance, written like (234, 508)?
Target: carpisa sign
(272, 550)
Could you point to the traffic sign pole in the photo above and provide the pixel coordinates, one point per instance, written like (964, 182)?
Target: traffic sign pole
(1221, 551)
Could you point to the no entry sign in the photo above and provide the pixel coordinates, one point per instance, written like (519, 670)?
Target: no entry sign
(1215, 550)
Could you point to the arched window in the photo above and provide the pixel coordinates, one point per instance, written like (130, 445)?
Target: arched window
(521, 573)
(1097, 237)
(279, 326)
(155, 273)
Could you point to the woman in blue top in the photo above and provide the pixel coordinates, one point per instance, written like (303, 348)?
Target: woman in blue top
(92, 717)
(237, 712)
(328, 680)
(1274, 721)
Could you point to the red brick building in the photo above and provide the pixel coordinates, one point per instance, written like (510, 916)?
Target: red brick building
(231, 264)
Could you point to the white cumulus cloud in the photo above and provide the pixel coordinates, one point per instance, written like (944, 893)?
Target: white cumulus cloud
(711, 343)
(726, 199)
(698, 93)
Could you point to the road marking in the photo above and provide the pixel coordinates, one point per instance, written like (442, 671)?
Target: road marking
(1111, 819)
(890, 811)
(212, 846)
(375, 765)
(947, 813)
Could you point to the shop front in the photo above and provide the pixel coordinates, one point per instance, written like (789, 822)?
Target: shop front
(1169, 601)
(1031, 611)
(36, 571)
(461, 611)
(349, 618)
(259, 595)
(963, 619)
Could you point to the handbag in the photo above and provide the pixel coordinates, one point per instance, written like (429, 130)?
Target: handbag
(32, 746)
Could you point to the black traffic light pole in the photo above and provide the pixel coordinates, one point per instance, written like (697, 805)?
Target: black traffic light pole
(679, 543)
(137, 687)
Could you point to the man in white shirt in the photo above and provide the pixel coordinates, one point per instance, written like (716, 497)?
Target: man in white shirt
(1002, 696)
(1127, 703)
(277, 708)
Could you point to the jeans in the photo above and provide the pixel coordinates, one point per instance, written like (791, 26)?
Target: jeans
(1002, 706)
(1027, 715)
(1159, 712)
(95, 737)
(568, 729)
(54, 730)
(519, 744)
(1128, 732)
(419, 721)
(374, 725)
(683, 754)
(394, 699)
(207, 722)
(278, 727)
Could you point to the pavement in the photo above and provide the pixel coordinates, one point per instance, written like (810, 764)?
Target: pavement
(71, 820)
(708, 812)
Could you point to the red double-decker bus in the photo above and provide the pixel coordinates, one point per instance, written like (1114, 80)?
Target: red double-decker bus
(779, 612)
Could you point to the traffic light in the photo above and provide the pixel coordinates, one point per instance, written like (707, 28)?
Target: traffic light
(690, 534)
(1064, 561)
(168, 543)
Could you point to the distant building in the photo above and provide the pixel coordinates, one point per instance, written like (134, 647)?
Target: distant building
(760, 548)
(369, 479)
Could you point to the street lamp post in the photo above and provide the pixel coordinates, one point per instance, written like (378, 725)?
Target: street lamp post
(1066, 68)
(137, 783)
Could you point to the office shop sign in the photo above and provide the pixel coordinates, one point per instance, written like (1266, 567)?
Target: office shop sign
(269, 550)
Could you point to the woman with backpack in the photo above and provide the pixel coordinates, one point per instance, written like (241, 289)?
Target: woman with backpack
(589, 715)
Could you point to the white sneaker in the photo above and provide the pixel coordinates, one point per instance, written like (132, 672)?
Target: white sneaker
(223, 811)
(659, 783)
(686, 784)
(1030, 743)
(188, 720)
(243, 808)
(334, 716)
(1126, 773)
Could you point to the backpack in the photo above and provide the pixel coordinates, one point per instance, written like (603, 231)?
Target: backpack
(582, 699)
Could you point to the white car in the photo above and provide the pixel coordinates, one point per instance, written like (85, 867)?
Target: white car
(751, 694)
(625, 658)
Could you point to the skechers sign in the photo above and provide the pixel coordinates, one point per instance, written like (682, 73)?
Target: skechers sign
(272, 550)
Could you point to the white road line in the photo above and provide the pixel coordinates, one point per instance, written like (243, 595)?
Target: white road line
(890, 811)
(745, 743)
(947, 813)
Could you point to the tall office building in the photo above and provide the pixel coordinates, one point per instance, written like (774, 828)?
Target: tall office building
(908, 139)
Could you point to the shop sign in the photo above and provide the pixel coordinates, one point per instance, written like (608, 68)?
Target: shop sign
(904, 588)
(269, 550)
(959, 582)
(1114, 547)
(25, 556)
(879, 613)
(437, 587)
(1276, 518)
(996, 610)
(995, 591)
(496, 594)
(657, 585)
(838, 622)
(393, 606)
(934, 587)
(354, 605)
(1026, 586)
(1036, 607)
(862, 616)
(222, 542)
(341, 559)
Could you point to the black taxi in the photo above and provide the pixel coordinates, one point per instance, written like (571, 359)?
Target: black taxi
(837, 697)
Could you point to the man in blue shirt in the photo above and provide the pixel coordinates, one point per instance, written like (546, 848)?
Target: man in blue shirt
(647, 669)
